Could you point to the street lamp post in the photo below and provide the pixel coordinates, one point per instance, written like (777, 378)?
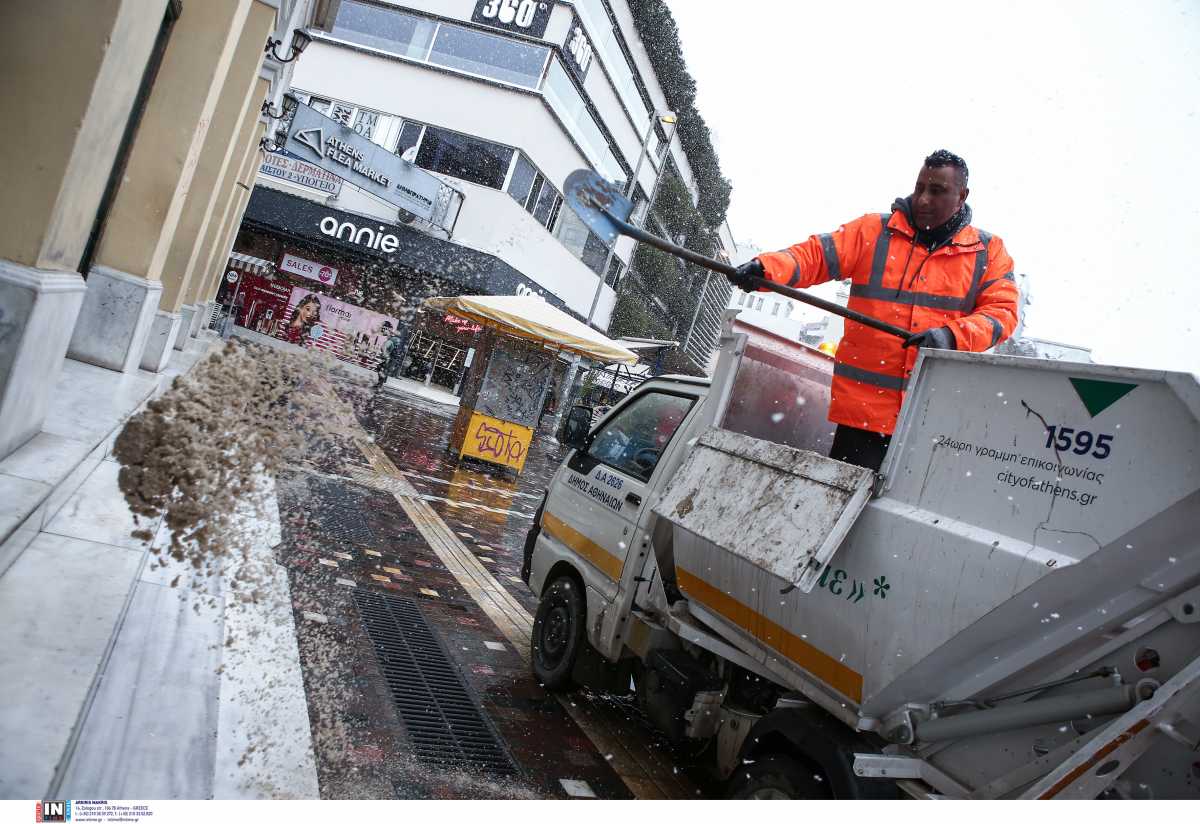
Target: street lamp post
(665, 117)
(696, 314)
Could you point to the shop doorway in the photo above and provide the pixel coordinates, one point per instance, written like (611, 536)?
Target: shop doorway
(435, 361)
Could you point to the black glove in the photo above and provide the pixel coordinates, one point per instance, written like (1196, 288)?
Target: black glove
(741, 279)
(937, 338)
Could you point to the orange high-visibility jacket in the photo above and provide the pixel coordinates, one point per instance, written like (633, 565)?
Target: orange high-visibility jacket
(966, 285)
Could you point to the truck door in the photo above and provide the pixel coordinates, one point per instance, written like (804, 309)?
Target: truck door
(599, 503)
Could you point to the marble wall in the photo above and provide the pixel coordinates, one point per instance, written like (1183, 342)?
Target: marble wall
(165, 329)
(38, 308)
(115, 319)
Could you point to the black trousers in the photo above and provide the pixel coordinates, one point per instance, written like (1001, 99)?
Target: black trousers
(859, 447)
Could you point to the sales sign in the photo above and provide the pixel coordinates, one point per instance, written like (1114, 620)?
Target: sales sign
(309, 269)
(522, 16)
(338, 149)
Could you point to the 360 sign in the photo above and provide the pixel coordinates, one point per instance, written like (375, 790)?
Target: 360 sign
(524, 16)
(578, 50)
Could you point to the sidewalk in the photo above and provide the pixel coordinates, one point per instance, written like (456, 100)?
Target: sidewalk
(407, 386)
(119, 685)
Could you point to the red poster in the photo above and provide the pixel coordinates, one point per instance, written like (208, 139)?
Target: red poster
(262, 303)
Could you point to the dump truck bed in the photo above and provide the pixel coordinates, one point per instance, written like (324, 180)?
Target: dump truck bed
(1028, 512)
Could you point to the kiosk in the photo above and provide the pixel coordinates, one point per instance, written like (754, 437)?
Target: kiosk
(512, 370)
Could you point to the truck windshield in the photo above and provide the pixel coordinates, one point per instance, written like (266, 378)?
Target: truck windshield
(633, 440)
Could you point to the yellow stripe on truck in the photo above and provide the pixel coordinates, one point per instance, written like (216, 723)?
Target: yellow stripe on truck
(584, 546)
(821, 666)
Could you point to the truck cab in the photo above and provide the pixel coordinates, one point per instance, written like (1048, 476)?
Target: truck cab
(594, 529)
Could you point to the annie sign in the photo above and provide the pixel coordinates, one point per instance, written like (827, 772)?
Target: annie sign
(338, 149)
(309, 269)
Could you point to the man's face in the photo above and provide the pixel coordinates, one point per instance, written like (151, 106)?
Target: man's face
(937, 196)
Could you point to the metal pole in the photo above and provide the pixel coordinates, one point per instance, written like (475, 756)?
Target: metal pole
(569, 378)
(228, 330)
(629, 187)
(696, 314)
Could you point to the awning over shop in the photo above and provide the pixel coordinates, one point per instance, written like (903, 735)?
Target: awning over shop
(256, 266)
(530, 317)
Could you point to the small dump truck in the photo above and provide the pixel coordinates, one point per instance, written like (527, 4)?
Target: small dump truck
(1009, 608)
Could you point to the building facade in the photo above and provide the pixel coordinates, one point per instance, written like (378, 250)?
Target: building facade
(135, 131)
(498, 101)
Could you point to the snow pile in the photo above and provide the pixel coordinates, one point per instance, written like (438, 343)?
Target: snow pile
(202, 447)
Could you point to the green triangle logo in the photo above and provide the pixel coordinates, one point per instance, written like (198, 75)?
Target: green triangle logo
(1099, 395)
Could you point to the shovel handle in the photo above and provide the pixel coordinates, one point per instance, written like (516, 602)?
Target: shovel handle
(725, 269)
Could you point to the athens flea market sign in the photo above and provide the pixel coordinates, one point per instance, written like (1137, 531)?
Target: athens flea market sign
(340, 150)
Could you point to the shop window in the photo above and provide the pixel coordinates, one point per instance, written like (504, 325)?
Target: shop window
(534, 192)
(581, 241)
(384, 29)
(572, 232)
(410, 136)
(614, 272)
(594, 253)
(522, 179)
(569, 105)
(547, 206)
(468, 158)
(489, 55)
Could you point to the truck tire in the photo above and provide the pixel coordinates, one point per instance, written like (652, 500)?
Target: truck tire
(557, 635)
(777, 777)
(819, 744)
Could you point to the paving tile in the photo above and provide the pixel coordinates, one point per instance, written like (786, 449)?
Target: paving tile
(97, 512)
(46, 457)
(576, 788)
(55, 644)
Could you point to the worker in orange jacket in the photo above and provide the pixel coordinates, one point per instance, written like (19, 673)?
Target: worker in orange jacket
(924, 268)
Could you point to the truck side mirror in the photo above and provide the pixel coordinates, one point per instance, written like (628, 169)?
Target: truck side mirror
(576, 426)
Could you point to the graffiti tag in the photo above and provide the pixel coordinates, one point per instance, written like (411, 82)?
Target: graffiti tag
(491, 440)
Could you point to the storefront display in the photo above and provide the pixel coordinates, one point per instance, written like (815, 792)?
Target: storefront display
(441, 349)
(262, 303)
(349, 333)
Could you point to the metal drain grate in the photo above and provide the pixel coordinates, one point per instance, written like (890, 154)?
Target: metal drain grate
(444, 723)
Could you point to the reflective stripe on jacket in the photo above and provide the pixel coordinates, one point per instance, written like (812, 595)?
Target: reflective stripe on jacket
(966, 285)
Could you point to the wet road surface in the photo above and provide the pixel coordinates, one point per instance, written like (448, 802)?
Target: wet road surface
(414, 690)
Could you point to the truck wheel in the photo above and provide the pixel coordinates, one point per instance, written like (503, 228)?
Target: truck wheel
(558, 633)
(777, 777)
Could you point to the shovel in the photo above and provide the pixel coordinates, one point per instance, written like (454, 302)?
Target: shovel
(605, 209)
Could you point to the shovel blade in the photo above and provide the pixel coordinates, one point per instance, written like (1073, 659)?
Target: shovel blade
(597, 201)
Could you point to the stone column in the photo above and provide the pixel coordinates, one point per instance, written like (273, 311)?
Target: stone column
(237, 106)
(223, 228)
(71, 72)
(200, 268)
(119, 310)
